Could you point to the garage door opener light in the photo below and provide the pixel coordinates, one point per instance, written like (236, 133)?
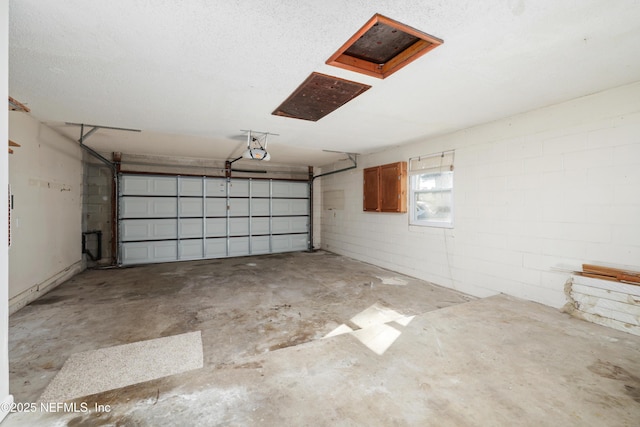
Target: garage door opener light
(257, 146)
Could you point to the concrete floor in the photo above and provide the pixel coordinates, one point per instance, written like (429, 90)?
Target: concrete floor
(458, 362)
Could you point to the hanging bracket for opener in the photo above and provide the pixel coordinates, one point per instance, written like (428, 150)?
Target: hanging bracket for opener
(353, 157)
(94, 128)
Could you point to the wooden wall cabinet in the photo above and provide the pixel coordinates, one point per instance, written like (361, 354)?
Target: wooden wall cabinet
(385, 188)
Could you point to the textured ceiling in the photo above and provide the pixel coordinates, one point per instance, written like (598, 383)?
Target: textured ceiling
(191, 74)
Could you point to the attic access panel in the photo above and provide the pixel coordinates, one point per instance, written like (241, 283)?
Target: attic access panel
(319, 95)
(382, 47)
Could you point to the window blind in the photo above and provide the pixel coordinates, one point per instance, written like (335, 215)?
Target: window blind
(438, 162)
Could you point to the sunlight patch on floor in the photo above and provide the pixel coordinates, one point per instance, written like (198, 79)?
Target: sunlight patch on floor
(375, 331)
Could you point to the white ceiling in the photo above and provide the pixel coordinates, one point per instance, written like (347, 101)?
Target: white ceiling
(191, 74)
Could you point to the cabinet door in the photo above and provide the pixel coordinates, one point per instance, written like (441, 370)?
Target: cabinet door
(393, 187)
(371, 193)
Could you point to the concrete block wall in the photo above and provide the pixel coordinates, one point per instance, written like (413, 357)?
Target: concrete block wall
(97, 214)
(535, 195)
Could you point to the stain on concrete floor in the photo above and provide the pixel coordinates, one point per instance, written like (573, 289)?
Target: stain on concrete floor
(496, 361)
(243, 306)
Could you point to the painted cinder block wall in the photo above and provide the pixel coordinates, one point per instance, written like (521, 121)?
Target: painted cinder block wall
(96, 209)
(534, 194)
(45, 175)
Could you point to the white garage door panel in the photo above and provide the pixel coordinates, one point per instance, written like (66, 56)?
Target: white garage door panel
(191, 249)
(238, 246)
(216, 227)
(299, 242)
(145, 185)
(281, 225)
(190, 186)
(216, 248)
(260, 225)
(165, 251)
(238, 207)
(149, 252)
(171, 218)
(148, 229)
(296, 242)
(259, 188)
(190, 227)
(239, 188)
(216, 207)
(216, 187)
(260, 245)
(190, 207)
(290, 189)
(238, 226)
(290, 206)
(259, 207)
(136, 253)
(148, 207)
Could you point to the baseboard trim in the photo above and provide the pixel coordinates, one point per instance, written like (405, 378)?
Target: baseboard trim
(5, 407)
(38, 290)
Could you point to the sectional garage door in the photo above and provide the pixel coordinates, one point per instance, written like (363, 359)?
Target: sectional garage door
(173, 218)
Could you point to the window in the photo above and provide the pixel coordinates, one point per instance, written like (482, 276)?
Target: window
(431, 190)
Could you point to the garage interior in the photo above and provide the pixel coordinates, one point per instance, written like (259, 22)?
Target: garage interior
(321, 213)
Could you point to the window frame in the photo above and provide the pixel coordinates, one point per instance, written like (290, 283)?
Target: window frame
(437, 165)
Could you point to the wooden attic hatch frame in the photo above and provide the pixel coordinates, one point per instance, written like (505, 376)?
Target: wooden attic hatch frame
(319, 95)
(382, 47)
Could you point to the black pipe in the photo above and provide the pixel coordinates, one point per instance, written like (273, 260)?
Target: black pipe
(98, 255)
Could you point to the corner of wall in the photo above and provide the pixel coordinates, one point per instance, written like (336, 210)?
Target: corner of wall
(36, 291)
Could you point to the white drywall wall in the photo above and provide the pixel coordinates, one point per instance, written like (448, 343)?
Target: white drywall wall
(552, 187)
(45, 175)
(5, 397)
